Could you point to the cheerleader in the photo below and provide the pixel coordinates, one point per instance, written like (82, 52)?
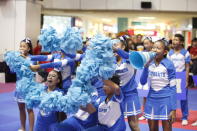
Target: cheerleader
(26, 51)
(110, 108)
(161, 99)
(46, 119)
(181, 60)
(65, 48)
(148, 44)
(127, 83)
(60, 62)
(85, 117)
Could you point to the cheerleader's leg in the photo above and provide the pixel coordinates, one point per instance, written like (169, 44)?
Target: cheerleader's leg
(22, 112)
(153, 125)
(167, 125)
(31, 119)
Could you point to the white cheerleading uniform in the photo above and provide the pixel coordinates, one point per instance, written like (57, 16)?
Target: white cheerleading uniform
(161, 99)
(180, 60)
(110, 114)
(128, 87)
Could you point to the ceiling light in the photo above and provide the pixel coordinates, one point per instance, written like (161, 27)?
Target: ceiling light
(106, 20)
(146, 18)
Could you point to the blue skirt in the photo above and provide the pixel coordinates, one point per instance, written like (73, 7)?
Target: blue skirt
(158, 108)
(19, 97)
(131, 103)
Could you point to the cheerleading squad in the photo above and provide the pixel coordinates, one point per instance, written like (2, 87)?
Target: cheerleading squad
(115, 98)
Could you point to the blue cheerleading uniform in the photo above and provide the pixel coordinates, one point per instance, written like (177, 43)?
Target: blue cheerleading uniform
(81, 120)
(128, 85)
(66, 65)
(110, 114)
(19, 97)
(161, 99)
(46, 119)
(179, 60)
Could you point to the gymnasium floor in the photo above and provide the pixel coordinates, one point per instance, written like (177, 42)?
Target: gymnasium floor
(9, 115)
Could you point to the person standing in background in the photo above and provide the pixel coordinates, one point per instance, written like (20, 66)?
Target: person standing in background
(37, 49)
(139, 43)
(181, 59)
(193, 53)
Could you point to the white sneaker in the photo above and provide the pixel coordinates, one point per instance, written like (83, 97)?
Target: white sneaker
(142, 118)
(194, 124)
(184, 122)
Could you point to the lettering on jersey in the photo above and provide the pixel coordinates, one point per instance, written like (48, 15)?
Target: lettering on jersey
(122, 71)
(104, 109)
(157, 74)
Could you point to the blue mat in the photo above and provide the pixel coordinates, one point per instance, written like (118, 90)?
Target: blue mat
(9, 114)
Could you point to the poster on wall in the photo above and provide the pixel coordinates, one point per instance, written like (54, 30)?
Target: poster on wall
(122, 24)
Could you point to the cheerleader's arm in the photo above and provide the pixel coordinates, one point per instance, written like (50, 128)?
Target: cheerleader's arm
(84, 48)
(123, 54)
(144, 76)
(119, 97)
(172, 79)
(41, 57)
(174, 97)
(79, 57)
(58, 64)
(76, 57)
(51, 64)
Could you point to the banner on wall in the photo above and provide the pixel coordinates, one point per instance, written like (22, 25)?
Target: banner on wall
(122, 24)
(180, 85)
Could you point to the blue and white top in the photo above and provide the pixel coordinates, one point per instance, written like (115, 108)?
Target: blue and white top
(127, 76)
(179, 59)
(126, 72)
(110, 114)
(162, 80)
